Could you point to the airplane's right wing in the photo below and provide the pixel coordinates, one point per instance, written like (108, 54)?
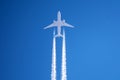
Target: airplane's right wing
(51, 25)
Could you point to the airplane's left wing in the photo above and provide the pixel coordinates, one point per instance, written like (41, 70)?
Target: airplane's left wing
(67, 25)
(51, 25)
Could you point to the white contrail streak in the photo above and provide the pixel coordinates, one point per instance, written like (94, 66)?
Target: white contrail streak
(63, 72)
(53, 72)
(63, 66)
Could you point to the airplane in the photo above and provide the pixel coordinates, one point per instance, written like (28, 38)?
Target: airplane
(59, 23)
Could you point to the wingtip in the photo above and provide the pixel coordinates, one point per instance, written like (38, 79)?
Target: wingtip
(44, 28)
(72, 26)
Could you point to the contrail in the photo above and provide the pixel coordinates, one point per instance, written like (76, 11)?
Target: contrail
(63, 71)
(53, 72)
(63, 66)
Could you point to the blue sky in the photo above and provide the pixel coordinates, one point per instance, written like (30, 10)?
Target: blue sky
(93, 46)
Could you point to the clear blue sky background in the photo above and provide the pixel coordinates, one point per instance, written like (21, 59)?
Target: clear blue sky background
(93, 46)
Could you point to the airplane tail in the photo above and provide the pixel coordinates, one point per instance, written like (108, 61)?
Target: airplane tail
(59, 35)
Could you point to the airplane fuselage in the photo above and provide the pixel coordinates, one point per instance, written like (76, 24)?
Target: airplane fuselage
(59, 22)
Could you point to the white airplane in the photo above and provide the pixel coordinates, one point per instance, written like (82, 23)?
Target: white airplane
(59, 23)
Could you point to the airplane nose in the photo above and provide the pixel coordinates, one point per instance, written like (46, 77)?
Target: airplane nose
(59, 12)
